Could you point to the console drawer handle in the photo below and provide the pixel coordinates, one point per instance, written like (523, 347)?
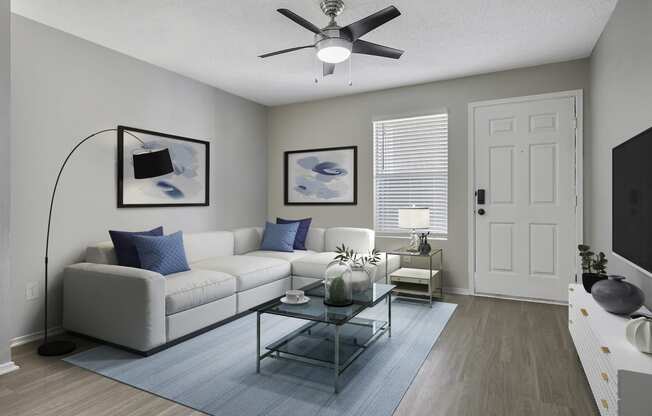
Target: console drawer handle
(605, 376)
(605, 404)
(605, 350)
(584, 312)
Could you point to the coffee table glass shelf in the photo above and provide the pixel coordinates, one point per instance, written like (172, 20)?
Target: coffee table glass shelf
(333, 337)
(414, 283)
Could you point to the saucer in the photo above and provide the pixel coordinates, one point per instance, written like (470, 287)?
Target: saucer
(306, 299)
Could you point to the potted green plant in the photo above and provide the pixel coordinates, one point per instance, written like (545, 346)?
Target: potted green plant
(363, 268)
(337, 284)
(594, 266)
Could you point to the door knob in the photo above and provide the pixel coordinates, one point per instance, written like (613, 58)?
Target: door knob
(481, 211)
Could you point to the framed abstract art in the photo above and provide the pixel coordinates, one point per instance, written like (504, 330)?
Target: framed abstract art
(326, 176)
(187, 185)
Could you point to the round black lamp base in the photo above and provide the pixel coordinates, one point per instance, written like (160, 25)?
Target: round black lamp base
(54, 348)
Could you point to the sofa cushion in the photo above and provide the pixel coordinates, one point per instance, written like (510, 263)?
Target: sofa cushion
(302, 231)
(314, 265)
(247, 239)
(315, 239)
(295, 255)
(125, 249)
(279, 237)
(101, 253)
(164, 254)
(187, 290)
(249, 271)
(200, 246)
(358, 239)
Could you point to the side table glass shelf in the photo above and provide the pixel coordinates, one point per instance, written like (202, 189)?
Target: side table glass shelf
(419, 284)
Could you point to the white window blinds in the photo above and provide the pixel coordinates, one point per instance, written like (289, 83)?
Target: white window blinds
(411, 168)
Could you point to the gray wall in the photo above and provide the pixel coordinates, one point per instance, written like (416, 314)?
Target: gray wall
(347, 120)
(621, 89)
(65, 88)
(4, 180)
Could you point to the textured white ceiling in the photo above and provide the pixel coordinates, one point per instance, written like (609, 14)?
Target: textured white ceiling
(217, 42)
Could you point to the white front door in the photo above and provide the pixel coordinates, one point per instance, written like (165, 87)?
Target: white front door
(525, 163)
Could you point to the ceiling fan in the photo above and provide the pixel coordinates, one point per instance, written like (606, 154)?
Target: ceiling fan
(335, 44)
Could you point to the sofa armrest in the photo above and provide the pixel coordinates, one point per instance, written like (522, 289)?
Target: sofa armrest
(121, 305)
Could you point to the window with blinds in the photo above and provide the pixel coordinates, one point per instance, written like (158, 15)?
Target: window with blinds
(411, 168)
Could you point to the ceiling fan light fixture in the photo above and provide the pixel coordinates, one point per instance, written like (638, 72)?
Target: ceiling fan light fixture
(333, 50)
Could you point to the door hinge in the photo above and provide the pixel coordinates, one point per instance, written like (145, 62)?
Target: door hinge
(574, 124)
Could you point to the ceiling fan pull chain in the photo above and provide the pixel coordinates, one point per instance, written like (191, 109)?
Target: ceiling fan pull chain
(317, 61)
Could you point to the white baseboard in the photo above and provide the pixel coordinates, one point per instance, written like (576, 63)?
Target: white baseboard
(551, 302)
(457, 291)
(34, 336)
(8, 367)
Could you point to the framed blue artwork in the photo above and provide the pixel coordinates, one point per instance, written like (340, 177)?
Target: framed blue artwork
(327, 176)
(187, 185)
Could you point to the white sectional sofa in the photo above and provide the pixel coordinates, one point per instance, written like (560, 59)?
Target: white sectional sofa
(145, 311)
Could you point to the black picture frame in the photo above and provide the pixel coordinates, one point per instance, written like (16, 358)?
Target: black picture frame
(120, 176)
(286, 178)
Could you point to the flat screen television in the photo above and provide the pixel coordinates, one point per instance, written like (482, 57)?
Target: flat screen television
(632, 201)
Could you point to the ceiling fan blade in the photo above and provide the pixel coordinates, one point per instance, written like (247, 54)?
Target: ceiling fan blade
(368, 48)
(299, 20)
(267, 55)
(369, 23)
(328, 69)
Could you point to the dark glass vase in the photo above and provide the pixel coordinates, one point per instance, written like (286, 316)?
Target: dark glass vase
(617, 296)
(589, 279)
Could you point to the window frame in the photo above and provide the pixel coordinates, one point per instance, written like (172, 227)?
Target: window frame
(405, 234)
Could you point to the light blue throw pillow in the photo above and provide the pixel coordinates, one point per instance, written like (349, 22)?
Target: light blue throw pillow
(279, 237)
(164, 254)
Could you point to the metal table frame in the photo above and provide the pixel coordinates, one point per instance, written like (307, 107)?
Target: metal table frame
(338, 368)
(433, 252)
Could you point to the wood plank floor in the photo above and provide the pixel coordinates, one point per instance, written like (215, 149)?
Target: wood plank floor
(495, 357)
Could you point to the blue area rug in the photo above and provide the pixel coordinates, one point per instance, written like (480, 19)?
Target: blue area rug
(216, 372)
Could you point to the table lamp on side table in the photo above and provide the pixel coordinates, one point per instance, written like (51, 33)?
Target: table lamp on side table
(414, 218)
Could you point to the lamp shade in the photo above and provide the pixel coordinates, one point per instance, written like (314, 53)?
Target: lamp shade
(414, 218)
(152, 164)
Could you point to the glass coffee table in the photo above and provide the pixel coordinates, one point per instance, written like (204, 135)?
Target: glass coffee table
(332, 337)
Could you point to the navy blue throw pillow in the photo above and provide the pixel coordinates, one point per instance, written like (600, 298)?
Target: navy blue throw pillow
(302, 232)
(279, 237)
(164, 254)
(124, 247)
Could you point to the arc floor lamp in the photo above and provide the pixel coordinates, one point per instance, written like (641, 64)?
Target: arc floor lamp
(147, 164)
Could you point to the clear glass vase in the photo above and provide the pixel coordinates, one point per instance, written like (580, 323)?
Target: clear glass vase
(337, 284)
(362, 277)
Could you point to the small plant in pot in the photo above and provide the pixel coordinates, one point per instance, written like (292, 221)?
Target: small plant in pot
(594, 266)
(362, 267)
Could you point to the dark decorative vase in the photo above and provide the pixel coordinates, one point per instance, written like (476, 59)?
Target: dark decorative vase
(424, 246)
(617, 296)
(589, 279)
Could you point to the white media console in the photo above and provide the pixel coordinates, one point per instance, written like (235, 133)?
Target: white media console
(620, 376)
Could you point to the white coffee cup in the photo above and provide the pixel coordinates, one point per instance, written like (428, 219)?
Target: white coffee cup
(294, 296)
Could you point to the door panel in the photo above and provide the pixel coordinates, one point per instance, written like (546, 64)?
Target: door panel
(543, 249)
(501, 174)
(500, 244)
(543, 173)
(524, 159)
